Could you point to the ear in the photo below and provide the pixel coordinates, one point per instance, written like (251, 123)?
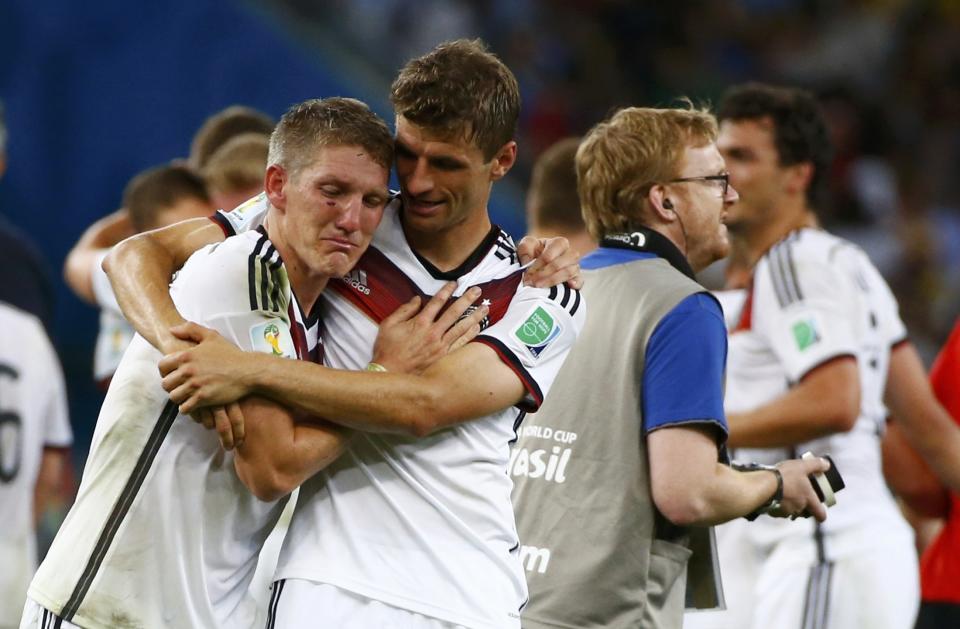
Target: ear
(656, 197)
(799, 177)
(504, 160)
(274, 184)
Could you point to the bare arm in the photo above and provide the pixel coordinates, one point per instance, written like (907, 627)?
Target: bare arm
(909, 477)
(49, 487)
(926, 425)
(103, 234)
(824, 402)
(690, 487)
(468, 383)
(282, 450)
(140, 269)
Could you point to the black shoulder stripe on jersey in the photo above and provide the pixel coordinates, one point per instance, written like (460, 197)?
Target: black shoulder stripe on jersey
(784, 273)
(252, 271)
(120, 509)
(794, 282)
(275, 293)
(576, 303)
(262, 275)
(567, 293)
(773, 263)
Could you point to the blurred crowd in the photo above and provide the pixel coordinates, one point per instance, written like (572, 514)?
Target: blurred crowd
(888, 73)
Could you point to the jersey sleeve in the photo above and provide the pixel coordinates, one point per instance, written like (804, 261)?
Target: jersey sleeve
(805, 309)
(240, 289)
(248, 215)
(683, 369)
(535, 335)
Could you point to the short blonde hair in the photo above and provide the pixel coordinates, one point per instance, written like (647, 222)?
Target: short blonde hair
(334, 121)
(621, 158)
(238, 165)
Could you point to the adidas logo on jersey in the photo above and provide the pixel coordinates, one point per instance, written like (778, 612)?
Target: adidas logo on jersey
(358, 280)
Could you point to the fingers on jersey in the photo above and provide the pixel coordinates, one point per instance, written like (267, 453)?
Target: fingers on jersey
(556, 263)
(410, 344)
(191, 331)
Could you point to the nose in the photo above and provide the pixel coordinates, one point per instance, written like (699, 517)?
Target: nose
(415, 177)
(348, 219)
(732, 195)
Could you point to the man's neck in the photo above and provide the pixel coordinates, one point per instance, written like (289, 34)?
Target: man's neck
(449, 248)
(755, 242)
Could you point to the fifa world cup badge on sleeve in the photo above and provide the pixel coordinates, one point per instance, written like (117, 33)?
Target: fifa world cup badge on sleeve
(806, 331)
(538, 330)
(273, 337)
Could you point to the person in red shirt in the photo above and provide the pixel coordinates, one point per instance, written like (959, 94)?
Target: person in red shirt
(916, 485)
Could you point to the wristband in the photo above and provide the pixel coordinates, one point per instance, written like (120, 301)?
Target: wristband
(774, 502)
(375, 367)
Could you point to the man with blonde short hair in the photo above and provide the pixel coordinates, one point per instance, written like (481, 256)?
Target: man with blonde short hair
(626, 460)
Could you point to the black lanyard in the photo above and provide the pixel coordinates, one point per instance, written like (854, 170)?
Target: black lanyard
(646, 240)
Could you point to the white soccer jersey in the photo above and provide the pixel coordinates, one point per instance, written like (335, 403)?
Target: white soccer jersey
(814, 298)
(163, 533)
(33, 416)
(427, 524)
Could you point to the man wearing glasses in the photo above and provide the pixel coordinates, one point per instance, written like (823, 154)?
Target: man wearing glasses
(621, 468)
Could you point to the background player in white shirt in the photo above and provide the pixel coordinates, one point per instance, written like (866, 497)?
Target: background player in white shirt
(421, 527)
(34, 438)
(136, 548)
(816, 348)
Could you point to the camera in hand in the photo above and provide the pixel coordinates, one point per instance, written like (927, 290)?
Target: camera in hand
(826, 484)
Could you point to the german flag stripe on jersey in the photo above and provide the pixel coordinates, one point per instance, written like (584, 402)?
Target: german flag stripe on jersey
(266, 277)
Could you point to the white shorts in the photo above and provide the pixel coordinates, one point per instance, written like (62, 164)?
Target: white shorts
(790, 589)
(36, 617)
(298, 603)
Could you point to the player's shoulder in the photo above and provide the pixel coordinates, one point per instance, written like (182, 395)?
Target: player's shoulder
(801, 258)
(23, 328)
(244, 272)
(245, 217)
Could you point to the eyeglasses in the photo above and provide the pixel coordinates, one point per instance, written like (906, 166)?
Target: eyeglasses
(724, 180)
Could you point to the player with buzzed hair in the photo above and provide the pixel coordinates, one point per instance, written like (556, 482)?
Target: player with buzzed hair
(164, 531)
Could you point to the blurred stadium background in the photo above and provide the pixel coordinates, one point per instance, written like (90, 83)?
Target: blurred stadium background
(95, 92)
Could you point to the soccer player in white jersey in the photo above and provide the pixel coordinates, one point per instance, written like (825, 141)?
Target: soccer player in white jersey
(816, 348)
(413, 525)
(163, 532)
(34, 438)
